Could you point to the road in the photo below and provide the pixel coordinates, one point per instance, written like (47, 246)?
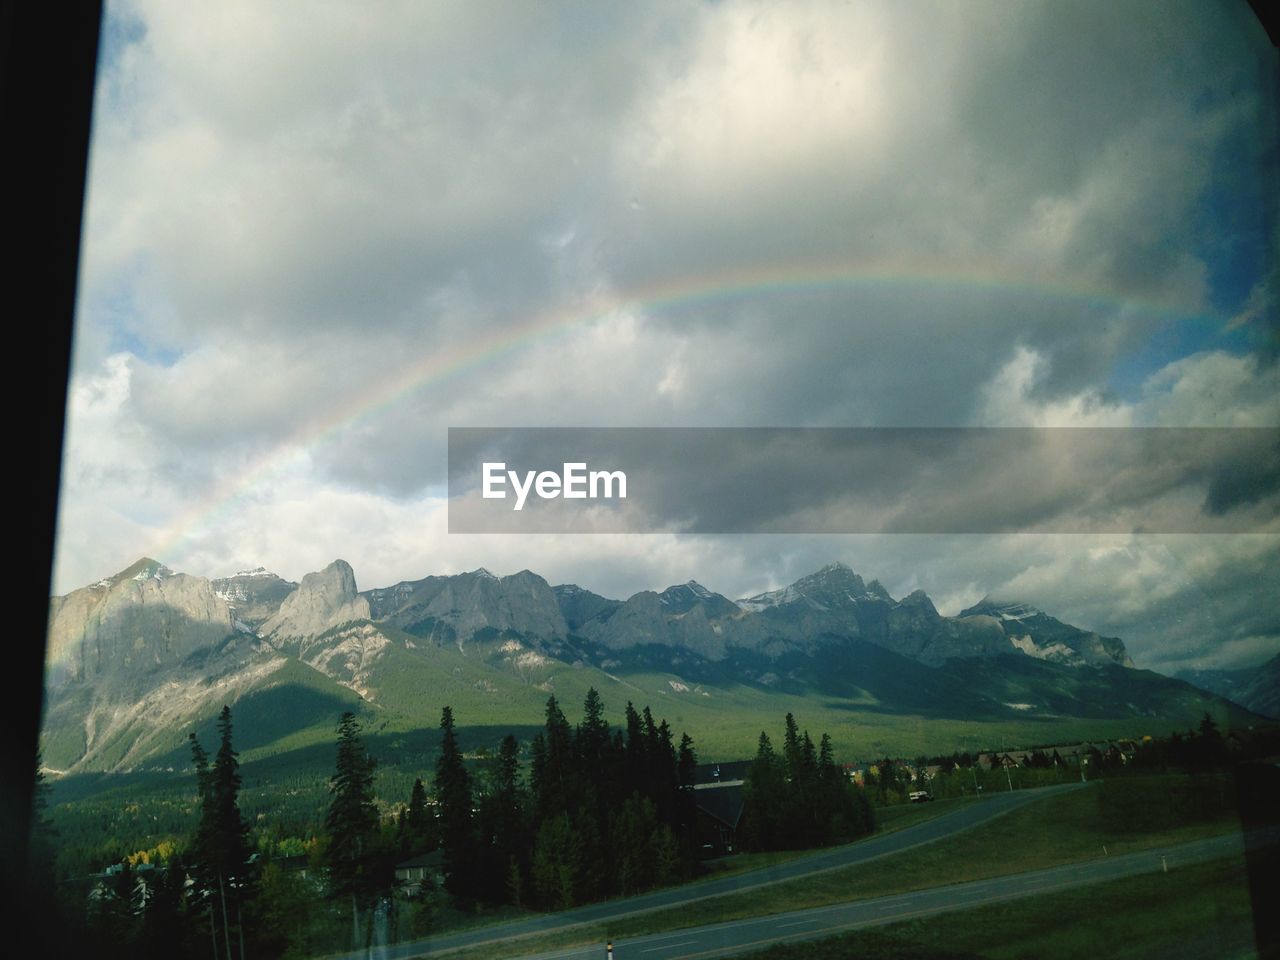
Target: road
(741, 936)
(835, 858)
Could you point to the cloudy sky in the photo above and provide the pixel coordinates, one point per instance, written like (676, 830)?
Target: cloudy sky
(318, 237)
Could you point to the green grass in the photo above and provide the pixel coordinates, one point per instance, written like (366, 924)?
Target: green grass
(1202, 910)
(888, 820)
(487, 691)
(903, 815)
(1014, 843)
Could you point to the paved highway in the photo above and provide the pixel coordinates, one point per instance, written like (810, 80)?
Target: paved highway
(741, 936)
(835, 858)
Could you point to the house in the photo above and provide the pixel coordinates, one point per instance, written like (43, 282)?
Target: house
(424, 871)
(856, 773)
(719, 817)
(708, 774)
(718, 798)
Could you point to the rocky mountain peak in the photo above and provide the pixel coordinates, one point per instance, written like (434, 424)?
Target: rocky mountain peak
(253, 595)
(322, 600)
(876, 589)
(1002, 609)
(143, 568)
(255, 572)
(1039, 635)
(145, 616)
(834, 585)
(918, 599)
(683, 597)
(835, 572)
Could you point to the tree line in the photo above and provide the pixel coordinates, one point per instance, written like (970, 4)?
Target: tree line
(801, 798)
(582, 811)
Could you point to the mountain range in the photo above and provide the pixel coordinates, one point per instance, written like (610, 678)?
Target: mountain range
(137, 659)
(1257, 688)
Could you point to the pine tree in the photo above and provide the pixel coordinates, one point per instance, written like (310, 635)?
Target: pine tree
(223, 874)
(636, 769)
(41, 849)
(594, 764)
(827, 770)
(791, 751)
(233, 832)
(457, 828)
(419, 824)
(508, 803)
(557, 863)
(39, 893)
(352, 820)
(764, 798)
(553, 770)
(687, 806)
(631, 830)
(592, 741)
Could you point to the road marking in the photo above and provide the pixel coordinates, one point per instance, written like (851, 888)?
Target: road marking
(893, 906)
(797, 923)
(669, 946)
(654, 938)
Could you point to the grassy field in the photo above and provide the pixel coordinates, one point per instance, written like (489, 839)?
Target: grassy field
(902, 815)
(1058, 829)
(1197, 911)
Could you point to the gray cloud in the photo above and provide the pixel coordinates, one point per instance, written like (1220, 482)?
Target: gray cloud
(291, 222)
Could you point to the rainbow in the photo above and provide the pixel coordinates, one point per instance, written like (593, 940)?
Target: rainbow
(442, 366)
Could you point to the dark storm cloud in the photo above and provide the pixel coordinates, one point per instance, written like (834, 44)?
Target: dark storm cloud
(876, 480)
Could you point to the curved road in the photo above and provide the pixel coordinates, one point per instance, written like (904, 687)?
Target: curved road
(742, 936)
(835, 858)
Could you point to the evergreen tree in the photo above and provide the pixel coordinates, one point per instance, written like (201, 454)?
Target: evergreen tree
(223, 873)
(827, 770)
(687, 761)
(791, 748)
(419, 823)
(41, 848)
(59, 926)
(595, 766)
(687, 809)
(457, 829)
(557, 863)
(1210, 747)
(635, 864)
(553, 766)
(592, 741)
(508, 829)
(764, 798)
(163, 922)
(352, 821)
(650, 736)
(233, 832)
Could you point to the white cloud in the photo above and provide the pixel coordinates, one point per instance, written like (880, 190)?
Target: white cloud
(1211, 389)
(290, 218)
